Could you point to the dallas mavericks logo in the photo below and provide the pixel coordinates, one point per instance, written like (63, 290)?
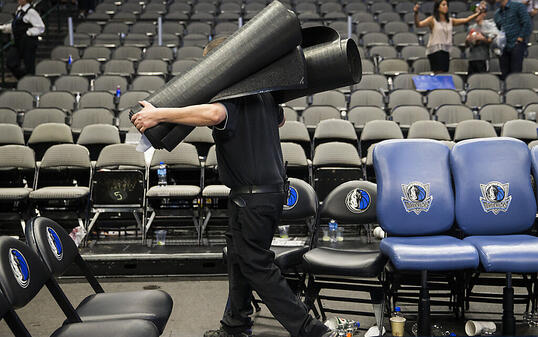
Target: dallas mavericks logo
(357, 201)
(293, 197)
(20, 267)
(55, 243)
(495, 197)
(416, 197)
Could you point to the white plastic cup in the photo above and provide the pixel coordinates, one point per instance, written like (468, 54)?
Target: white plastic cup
(379, 233)
(476, 328)
(326, 234)
(160, 237)
(284, 231)
(397, 324)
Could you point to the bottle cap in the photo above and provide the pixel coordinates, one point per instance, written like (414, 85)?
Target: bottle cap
(357, 324)
(452, 334)
(397, 309)
(161, 163)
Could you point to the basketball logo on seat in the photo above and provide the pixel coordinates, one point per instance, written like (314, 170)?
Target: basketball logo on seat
(416, 197)
(55, 243)
(357, 200)
(20, 268)
(495, 197)
(293, 197)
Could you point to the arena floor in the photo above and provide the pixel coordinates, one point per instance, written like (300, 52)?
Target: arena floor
(198, 305)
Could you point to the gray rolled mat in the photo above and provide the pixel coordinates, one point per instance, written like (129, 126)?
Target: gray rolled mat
(271, 34)
(331, 63)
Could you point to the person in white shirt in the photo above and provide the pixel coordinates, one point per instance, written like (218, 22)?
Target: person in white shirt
(26, 26)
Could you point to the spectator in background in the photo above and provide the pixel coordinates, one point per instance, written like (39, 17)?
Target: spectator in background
(532, 6)
(85, 7)
(512, 18)
(440, 41)
(481, 35)
(26, 26)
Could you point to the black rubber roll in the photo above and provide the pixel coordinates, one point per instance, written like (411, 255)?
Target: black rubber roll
(271, 34)
(331, 63)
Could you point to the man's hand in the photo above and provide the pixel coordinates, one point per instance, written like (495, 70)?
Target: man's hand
(520, 39)
(146, 118)
(416, 8)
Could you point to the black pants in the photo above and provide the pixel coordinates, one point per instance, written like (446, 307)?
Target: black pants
(511, 60)
(439, 61)
(477, 66)
(251, 267)
(26, 47)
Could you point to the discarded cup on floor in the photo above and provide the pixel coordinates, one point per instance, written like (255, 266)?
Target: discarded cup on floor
(340, 234)
(326, 234)
(284, 231)
(397, 324)
(476, 328)
(160, 237)
(379, 233)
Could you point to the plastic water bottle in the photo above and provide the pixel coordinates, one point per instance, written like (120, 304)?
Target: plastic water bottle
(69, 60)
(162, 174)
(333, 231)
(118, 91)
(397, 312)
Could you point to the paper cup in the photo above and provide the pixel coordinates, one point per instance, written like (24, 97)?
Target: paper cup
(397, 324)
(475, 328)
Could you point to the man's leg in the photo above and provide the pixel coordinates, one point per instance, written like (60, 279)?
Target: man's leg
(252, 236)
(516, 57)
(238, 308)
(504, 63)
(29, 55)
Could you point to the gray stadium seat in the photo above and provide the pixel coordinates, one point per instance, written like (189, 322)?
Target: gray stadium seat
(86, 67)
(521, 80)
(35, 117)
(405, 115)
(360, 115)
(428, 129)
(96, 136)
(202, 138)
(80, 40)
(477, 98)
(136, 40)
(17, 100)
(159, 53)
(410, 53)
(58, 99)
(97, 99)
(498, 114)
(439, 97)
(473, 128)
(110, 83)
(37, 85)
(391, 67)
(367, 97)
(403, 81)
(452, 114)
(107, 40)
(72, 83)
(314, 114)
(97, 53)
(51, 68)
(375, 39)
(520, 97)
(484, 81)
(520, 129)
(421, 66)
(339, 130)
(123, 68)
(152, 67)
(11, 134)
(149, 83)
(333, 98)
(46, 135)
(189, 52)
(404, 97)
(296, 132)
(130, 53)
(83, 117)
(8, 116)
(372, 82)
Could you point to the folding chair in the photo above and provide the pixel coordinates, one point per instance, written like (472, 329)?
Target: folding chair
(344, 266)
(23, 274)
(59, 252)
(118, 184)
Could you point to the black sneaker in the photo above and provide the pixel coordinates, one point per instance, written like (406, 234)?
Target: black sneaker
(223, 333)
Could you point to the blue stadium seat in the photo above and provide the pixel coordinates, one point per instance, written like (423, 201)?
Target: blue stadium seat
(415, 205)
(494, 204)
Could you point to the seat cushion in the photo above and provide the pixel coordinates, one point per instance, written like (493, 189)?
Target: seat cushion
(151, 305)
(288, 257)
(219, 191)
(330, 261)
(507, 253)
(60, 192)
(177, 191)
(440, 252)
(121, 328)
(14, 193)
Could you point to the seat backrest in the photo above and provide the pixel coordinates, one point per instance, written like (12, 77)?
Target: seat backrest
(336, 154)
(406, 115)
(333, 98)
(353, 202)
(34, 117)
(57, 99)
(88, 116)
(34, 84)
(493, 186)
(335, 129)
(372, 82)
(147, 82)
(17, 100)
(97, 99)
(17, 163)
(22, 273)
(71, 83)
(11, 134)
(51, 133)
(52, 243)
(473, 128)
(480, 97)
(484, 81)
(521, 129)
(8, 116)
(428, 129)
(453, 113)
(498, 113)
(302, 201)
(404, 97)
(120, 155)
(521, 80)
(439, 97)
(360, 115)
(414, 187)
(380, 130)
(183, 164)
(314, 114)
(131, 99)
(521, 97)
(366, 97)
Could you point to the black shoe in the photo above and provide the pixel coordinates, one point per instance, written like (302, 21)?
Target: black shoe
(223, 333)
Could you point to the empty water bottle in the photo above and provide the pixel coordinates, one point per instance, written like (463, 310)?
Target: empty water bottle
(333, 231)
(69, 60)
(118, 91)
(162, 174)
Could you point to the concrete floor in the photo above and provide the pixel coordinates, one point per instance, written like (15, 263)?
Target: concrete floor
(198, 306)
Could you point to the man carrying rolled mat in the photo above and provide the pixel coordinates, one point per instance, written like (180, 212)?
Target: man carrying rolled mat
(250, 162)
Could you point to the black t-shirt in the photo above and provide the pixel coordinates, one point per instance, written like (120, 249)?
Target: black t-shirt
(248, 142)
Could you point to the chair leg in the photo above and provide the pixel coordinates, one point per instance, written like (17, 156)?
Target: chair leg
(424, 324)
(509, 320)
(312, 292)
(378, 303)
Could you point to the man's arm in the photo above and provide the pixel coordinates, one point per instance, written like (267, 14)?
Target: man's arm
(33, 18)
(525, 21)
(193, 115)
